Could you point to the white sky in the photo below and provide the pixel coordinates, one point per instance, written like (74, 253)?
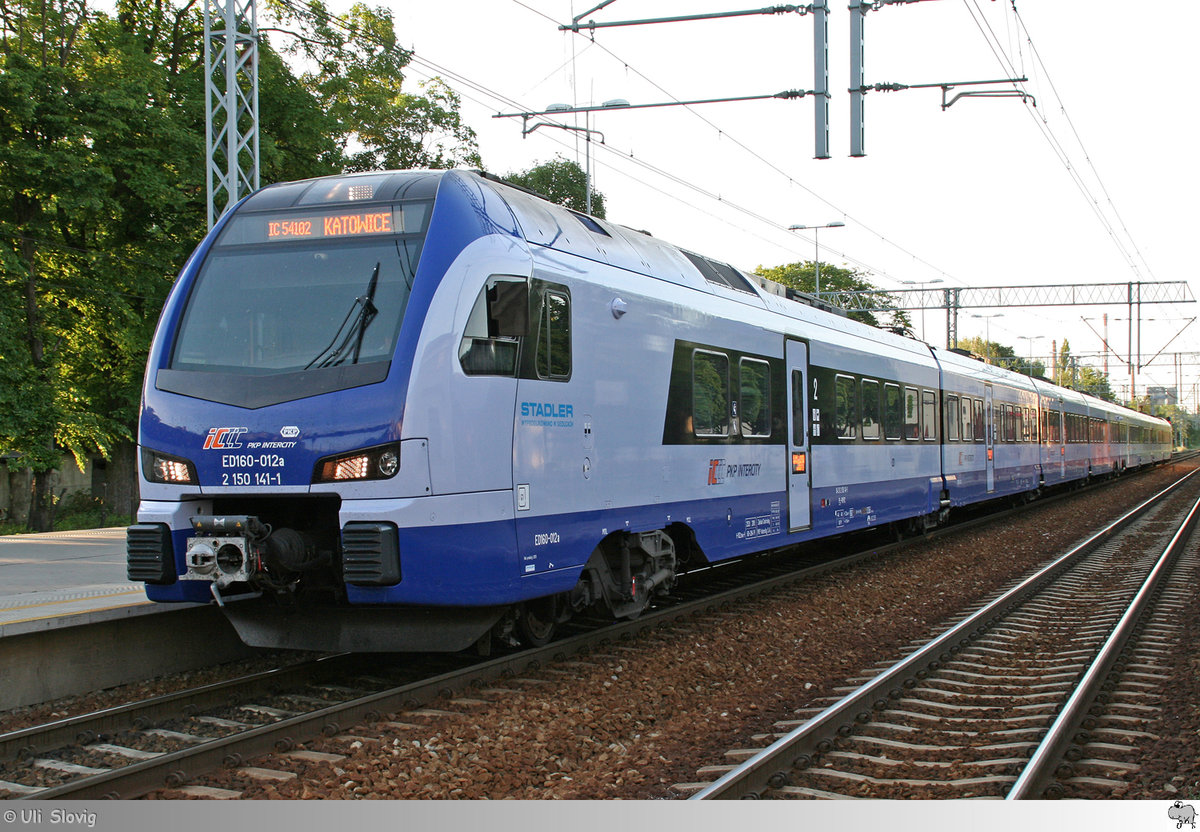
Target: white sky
(973, 196)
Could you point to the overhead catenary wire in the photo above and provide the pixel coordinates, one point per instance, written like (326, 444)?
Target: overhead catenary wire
(1056, 146)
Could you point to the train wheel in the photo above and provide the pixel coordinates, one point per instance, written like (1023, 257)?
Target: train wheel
(536, 623)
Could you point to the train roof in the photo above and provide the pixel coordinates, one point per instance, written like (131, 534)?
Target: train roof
(553, 226)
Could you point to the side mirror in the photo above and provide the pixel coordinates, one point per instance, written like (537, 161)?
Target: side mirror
(508, 310)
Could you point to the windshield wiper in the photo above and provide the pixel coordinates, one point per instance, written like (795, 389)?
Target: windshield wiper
(364, 305)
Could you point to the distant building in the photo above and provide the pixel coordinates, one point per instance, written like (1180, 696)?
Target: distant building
(1163, 395)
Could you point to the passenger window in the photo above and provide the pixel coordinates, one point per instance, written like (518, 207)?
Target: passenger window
(893, 411)
(929, 414)
(554, 337)
(798, 414)
(952, 417)
(847, 411)
(912, 414)
(754, 398)
(870, 409)
(967, 429)
(498, 320)
(710, 393)
(980, 424)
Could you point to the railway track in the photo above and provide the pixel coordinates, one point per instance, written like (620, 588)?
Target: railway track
(1044, 692)
(170, 741)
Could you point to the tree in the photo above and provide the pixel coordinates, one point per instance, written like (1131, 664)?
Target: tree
(102, 193)
(358, 76)
(59, 99)
(1002, 355)
(560, 181)
(802, 276)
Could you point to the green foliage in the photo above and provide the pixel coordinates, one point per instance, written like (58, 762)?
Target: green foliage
(102, 191)
(560, 181)
(802, 276)
(357, 75)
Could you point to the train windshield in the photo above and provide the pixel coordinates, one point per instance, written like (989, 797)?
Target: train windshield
(292, 292)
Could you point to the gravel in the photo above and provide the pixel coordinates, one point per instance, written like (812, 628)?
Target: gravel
(637, 719)
(640, 717)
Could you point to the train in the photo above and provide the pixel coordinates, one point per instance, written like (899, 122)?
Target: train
(431, 411)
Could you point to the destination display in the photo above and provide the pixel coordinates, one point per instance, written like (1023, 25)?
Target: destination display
(339, 225)
(290, 226)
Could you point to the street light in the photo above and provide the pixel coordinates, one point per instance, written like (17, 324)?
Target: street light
(921, 284)
(987, 333)
(1031, 339)
(615, 103)
(816, 230)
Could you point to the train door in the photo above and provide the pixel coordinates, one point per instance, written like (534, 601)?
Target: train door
(989, 436)
(552, 453)
(1062, 440)
(799, 476)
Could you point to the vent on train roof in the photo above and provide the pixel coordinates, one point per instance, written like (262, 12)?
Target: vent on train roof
(589, 223)
(720, 273)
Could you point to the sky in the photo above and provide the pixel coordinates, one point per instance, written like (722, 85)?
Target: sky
(1092, 185)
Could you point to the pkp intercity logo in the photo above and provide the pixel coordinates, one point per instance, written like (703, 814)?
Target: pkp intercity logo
(716, 471)
(220, 439)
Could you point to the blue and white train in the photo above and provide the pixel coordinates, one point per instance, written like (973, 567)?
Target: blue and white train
(419, 410)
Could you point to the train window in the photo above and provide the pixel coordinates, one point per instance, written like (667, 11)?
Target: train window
(710, 393)
(754, 398)
(929, 415)
(497, 321)
(979, 422)
(893, 411)
(912, 414)
(952, 418)
(847, 408)
(870, 409)
(798, 415)
(554, 337)
(967, 430)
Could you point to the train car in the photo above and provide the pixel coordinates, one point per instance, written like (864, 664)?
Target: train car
(424, 410)
(994, 452)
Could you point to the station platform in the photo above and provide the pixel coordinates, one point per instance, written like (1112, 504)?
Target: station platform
(48, 579)
(71, 621)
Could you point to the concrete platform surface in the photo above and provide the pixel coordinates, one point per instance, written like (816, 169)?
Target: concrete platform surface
(72, 622)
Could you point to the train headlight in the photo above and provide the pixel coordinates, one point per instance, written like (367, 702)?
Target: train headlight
(380, 463)
(167, 469)
(388, 463)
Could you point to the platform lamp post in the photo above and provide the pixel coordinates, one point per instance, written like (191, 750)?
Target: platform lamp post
(816, 230)
(587, 131)
(987, 334)
(921, 284)
(1031, 339)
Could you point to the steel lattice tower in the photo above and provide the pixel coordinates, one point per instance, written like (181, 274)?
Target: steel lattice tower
(231, 102)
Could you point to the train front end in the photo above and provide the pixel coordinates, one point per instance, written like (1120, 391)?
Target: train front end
(273, 451)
